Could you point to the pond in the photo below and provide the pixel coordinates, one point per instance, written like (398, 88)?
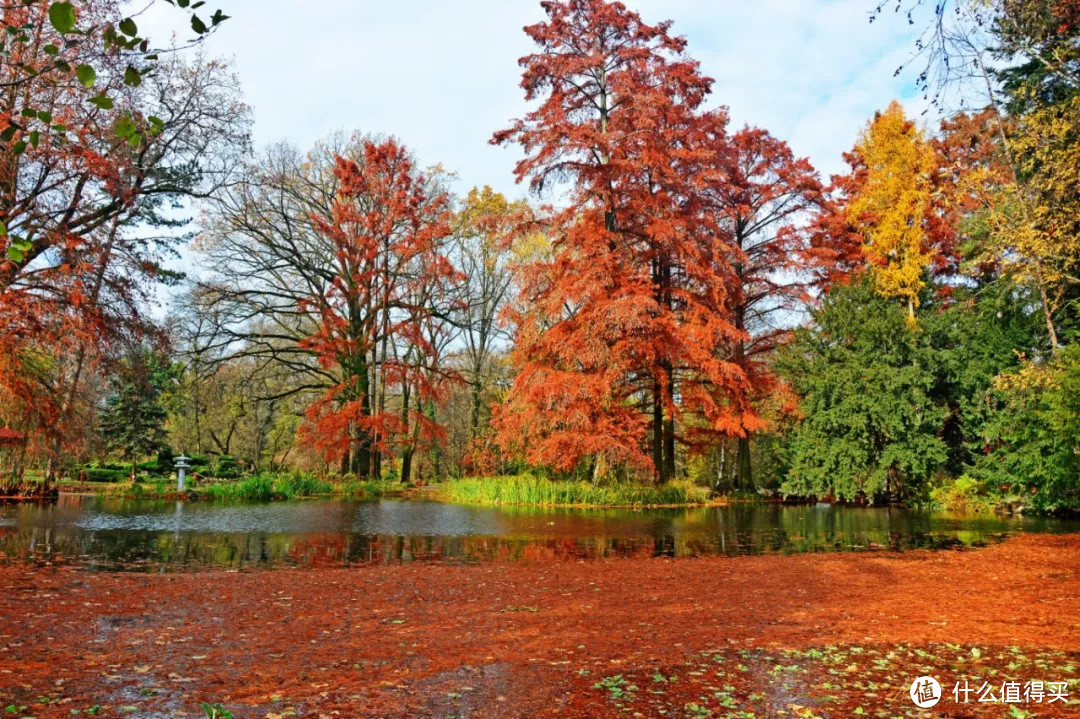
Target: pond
(149, 535)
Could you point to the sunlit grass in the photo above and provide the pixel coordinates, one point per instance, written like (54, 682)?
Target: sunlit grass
(263, 487)
(529, 489)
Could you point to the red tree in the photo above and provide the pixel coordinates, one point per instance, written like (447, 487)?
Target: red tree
(626, 335)
(85, 160)
(761, 196)
(387, 226)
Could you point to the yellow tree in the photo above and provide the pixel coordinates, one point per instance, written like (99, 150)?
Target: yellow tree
(1036, 219)
(891, 207)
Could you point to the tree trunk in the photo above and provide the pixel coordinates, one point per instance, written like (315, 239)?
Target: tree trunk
(658, 433)
(669, 449)
(407, 449)
(744, 471)
(361, 437)
(436, 455)
(406, 465)
(477, 404)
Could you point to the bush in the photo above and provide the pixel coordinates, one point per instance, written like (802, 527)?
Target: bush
(965, 494)
(199, 460)
(165, 461)
(226, 467)
(101, 474)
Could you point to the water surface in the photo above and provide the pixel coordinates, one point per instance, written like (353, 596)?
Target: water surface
(101, 533)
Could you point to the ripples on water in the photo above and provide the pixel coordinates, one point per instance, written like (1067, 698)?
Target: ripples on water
(151, 535)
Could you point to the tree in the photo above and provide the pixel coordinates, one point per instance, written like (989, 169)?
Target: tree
(869, 425)
(79, 207)
(134, 417)
(483, 230)
(761, 196)
(1032, 440)
(891, 209)
(332, 269)
(54, 43)
(624, 344)
(1024, 59)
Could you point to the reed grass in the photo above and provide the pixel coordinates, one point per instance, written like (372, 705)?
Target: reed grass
(529, 489)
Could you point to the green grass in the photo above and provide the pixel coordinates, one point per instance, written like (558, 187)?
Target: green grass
(263, 487)
(527, 489)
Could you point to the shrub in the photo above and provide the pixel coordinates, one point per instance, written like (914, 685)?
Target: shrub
(101, 474)
(226, 467)
(964, 494)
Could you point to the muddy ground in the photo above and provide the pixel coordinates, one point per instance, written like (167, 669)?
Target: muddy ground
(826, 635)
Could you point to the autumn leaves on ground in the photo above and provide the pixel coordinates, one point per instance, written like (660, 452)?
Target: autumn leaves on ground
(797, 636)
(680, 309)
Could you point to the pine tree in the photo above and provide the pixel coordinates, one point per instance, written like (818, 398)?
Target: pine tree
(133, 421)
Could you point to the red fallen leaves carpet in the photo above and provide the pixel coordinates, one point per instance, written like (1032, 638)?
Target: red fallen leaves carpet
(512, 639)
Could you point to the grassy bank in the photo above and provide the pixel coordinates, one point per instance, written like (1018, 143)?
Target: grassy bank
(260, 488)
(527, 489)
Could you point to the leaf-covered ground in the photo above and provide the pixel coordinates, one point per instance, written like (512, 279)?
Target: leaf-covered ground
(845, 680)
(790, 636)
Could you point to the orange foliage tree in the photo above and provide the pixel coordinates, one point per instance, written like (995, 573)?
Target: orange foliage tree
(761, 196)
(626, 335)
(386, 227)
(88, 148)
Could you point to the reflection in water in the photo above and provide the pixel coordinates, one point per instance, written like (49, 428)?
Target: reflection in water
(140, 534)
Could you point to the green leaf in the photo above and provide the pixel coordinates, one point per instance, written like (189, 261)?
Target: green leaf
(219, 17)
(28, 112)
(198, 25)
(14, 254)
(35, 138)
(45, 116)
(19, 147)
(128, 27)
(132, 77)
(62, 17)
(86, 74)
(8, 133)
(125, 127)
(51, 50)
(3, 229)
(103, 102)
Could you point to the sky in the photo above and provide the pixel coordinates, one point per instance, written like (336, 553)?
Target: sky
(442, 75)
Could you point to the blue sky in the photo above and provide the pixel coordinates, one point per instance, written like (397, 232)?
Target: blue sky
(442, 76)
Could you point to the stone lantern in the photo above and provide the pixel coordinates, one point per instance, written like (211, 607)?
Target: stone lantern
(181, 467)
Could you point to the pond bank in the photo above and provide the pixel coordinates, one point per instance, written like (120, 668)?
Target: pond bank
(580, 638)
